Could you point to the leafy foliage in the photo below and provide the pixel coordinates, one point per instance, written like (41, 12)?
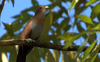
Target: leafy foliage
(59, 31)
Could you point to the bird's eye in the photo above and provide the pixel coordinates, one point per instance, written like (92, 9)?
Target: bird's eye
(40, 8)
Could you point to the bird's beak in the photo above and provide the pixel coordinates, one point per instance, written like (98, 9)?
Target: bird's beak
(46, 7)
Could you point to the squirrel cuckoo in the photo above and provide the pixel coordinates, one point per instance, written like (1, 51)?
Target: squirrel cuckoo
(32, 30)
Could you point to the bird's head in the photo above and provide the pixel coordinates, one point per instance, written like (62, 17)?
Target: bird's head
(41, 9)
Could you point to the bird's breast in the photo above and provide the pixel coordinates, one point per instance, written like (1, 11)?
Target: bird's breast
(36, 30)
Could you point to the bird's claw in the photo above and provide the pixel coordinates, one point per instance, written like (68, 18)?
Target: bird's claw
(28, 40)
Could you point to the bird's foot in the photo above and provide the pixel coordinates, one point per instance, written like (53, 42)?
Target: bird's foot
(28, 40)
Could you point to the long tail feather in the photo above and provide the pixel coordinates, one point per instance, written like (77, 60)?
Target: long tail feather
(22, 53)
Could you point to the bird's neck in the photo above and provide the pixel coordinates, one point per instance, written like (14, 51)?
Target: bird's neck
(39, 19)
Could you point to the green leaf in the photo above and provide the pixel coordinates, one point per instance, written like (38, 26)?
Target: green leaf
(13, 53)
(67, 28)
(56, 55)
(96, 28)
(73, 4)
(9, 29)
(74, 38)
(35, 3)
(42, 52)
(17, 16)
(95, 11)
(93, 55)
(49, 57)
(97, 59)
(63, 25)
(92, 37)
(45, 37)
(80, 49)
(5, 36)
(85, 54)
(47, 23)
(79, 27)
(90, 2)
(84, 18)
(33, 56)
(12, 2)
(98, 17)
(65, 57)
(4, 57)
(66, 36)
(8, 49)
(20, 21)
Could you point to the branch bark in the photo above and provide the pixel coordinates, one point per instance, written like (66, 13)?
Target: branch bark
(40, 44)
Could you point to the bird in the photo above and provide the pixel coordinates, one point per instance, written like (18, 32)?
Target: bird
(32, 30)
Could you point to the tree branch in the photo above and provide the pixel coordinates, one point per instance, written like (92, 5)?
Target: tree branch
(40, 44)
(1, 6)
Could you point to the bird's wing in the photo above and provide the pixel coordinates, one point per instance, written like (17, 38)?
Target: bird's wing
(27, 30)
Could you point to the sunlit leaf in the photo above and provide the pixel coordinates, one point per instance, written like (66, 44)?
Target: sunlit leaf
(56, 55)
(90, 2)
(47, 23)
(97, 59)
(4, 57)
(93, 54)
(65, 57)
(66, 36)
(73, 4)
(95, 11)
(96, 28)
(80, 49)
(9, 49)
(71, 55)
(85, 54)
(74, 38)
(85, 19)
(49, 57)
